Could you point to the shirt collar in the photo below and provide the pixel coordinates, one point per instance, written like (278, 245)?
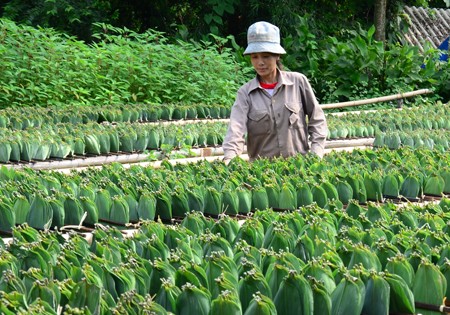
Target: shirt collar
(282, 80)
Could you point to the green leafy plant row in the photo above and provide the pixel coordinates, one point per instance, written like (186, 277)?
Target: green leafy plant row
(417, 138)
(378, 260)
(118, 195)
(427, 116)
(422, 115)
(36, 140)
(64, 140)
(32, 117)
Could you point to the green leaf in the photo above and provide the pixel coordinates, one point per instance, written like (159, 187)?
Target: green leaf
(370, 32)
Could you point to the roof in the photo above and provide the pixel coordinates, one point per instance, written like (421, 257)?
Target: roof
(427, 24)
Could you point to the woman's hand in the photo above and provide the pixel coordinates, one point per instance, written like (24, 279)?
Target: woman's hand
(226, 161)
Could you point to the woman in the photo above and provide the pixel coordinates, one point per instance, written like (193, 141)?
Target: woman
(271, 109)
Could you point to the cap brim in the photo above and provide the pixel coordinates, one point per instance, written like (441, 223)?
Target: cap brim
(259, 47)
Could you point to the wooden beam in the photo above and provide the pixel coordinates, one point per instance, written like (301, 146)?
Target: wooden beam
(376, 99)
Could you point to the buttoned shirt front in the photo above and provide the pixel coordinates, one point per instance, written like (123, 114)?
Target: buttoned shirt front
(277, 125)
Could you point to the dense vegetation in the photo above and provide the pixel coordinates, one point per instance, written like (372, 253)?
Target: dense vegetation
(170, 51)
(196, 18)
(41, 67)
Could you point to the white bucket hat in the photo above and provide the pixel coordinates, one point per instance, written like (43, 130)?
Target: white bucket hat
(263, 37)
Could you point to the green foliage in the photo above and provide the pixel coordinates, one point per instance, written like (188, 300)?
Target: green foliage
(357, 61)
(194, 19)
(302, 47)
(215, 19)
(353, 65)
(42, 67)
(134, 63)
(74, 17)
(339, 15)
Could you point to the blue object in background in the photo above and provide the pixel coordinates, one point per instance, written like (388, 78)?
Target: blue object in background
(444, 47)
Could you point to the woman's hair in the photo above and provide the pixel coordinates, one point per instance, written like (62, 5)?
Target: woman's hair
(279, 65)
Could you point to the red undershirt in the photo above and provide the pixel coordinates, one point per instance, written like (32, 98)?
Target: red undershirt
(269, 86)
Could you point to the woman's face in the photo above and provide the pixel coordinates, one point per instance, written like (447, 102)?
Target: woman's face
(265, 64)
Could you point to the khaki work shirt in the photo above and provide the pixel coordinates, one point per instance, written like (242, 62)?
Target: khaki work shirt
(276, 125)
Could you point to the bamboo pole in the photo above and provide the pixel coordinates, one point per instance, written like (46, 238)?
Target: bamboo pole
(431, 307)
(187, 121)
(157, 164)
(348, 143)
(102, 160)
(209, 153)
(376, 99)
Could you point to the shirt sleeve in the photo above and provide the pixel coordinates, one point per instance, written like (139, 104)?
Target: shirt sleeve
(317, 124)
(233, 143)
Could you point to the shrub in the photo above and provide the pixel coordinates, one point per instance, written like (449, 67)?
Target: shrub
(41, 67)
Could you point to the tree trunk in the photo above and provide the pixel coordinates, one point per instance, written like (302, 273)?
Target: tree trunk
(380, 20)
